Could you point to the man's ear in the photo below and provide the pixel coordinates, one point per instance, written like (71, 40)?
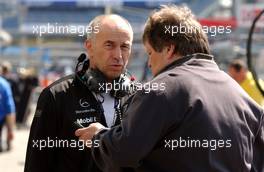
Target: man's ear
(89, 48)
(170, 51)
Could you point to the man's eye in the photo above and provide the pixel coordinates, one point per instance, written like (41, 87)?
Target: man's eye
(108, 45)
(125, 47)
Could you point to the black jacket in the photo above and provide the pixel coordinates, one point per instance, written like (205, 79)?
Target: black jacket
(52, 145)
(202, 122)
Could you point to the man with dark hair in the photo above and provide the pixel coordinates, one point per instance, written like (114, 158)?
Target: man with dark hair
(179, 29)
(202, 122)
(237, 69)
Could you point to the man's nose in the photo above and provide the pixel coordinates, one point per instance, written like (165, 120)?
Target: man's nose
(118, 55)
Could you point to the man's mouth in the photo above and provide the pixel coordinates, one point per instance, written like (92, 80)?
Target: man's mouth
(116, 67)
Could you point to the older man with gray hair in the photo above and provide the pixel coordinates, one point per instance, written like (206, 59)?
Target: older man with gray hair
(78, 100)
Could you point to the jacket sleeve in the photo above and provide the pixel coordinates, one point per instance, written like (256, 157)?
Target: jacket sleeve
(40, 156)
(258, 154)
(141, 130)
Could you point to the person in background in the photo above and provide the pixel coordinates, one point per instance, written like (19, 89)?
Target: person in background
(13, 80)
(238, 70)
(7, 112)
(28, 81)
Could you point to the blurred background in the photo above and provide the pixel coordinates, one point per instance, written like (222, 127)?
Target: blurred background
(37, 59)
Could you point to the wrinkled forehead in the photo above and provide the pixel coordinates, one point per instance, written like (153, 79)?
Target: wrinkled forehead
(115, 27)
(117, 21)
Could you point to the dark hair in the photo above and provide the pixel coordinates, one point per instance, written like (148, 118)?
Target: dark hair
(238, 64)
(191, 40)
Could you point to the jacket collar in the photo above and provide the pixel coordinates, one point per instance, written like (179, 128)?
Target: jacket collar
(184, 59)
